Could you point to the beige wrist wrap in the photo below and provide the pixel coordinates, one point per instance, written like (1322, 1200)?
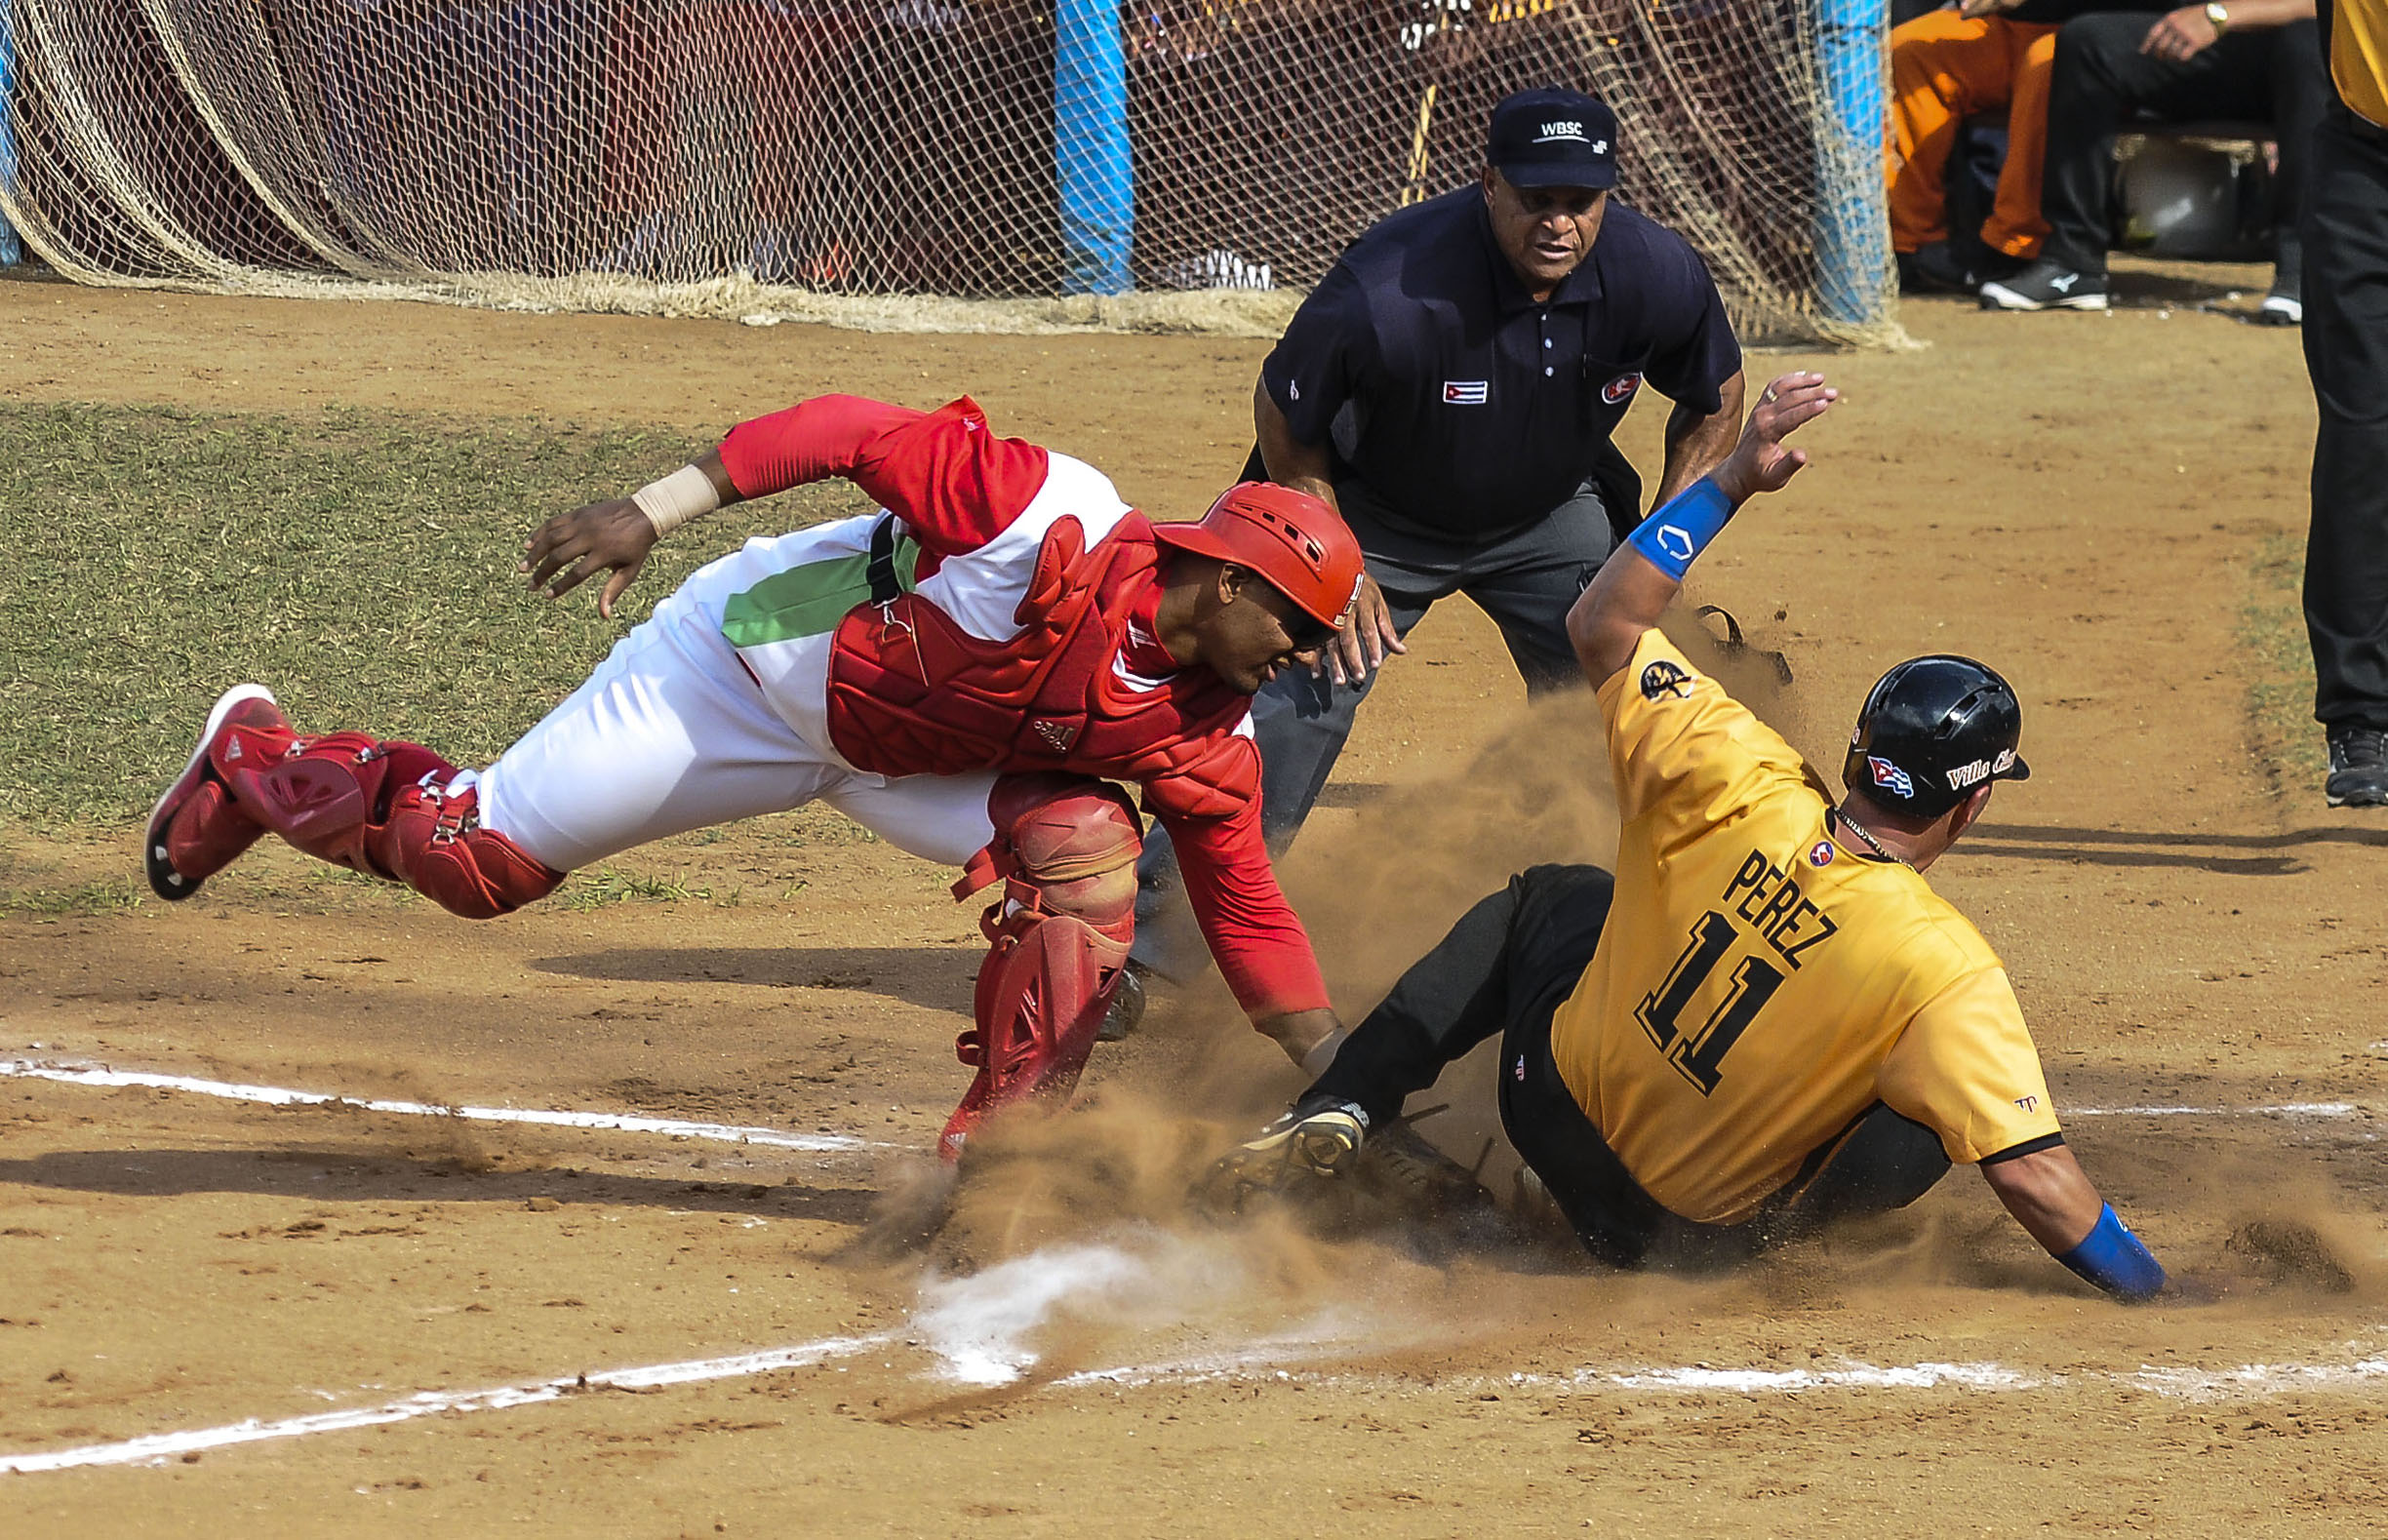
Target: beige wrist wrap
(684, 495)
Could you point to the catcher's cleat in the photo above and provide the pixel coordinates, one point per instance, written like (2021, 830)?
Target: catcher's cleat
(1125, 1012)
(178, 859)
(1318, 1138)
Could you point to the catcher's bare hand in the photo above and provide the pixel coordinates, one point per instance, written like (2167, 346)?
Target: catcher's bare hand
(1367, 637)
(610, 536)
(1760, 462)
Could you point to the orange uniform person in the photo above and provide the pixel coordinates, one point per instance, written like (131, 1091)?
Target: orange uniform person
(1945, 67)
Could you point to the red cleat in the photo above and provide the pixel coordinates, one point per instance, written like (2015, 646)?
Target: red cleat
(195, 831)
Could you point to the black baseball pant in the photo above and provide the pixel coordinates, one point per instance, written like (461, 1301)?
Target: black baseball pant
(1506, 967)
(2346, 352)
(2102, 79)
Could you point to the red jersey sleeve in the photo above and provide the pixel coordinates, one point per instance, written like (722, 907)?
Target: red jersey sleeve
(1212, 810)
(955, 485)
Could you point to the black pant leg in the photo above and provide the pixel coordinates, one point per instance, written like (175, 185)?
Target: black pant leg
(1528, 582)
(1560, 915)
(1512, 949)
(2346, 352)
(1887, 1160)
(2300, 87)
(2098, 82)
(2087, 104)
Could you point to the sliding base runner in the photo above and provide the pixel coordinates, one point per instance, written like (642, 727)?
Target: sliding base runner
(1765, 1020)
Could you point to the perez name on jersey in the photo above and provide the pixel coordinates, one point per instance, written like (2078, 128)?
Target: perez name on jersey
(1766, 897)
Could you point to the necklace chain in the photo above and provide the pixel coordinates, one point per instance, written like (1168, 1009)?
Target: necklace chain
(1871, 843)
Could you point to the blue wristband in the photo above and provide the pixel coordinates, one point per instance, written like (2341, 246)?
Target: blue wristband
(1674, 536)
(2115, 1260)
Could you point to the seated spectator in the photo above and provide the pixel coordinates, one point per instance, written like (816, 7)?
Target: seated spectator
(1946, 66)
(2230, 59)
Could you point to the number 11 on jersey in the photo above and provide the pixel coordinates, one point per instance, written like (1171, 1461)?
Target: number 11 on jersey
(1700, 1055)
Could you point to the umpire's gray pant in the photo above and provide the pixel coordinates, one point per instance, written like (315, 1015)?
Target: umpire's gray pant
(1526, 581)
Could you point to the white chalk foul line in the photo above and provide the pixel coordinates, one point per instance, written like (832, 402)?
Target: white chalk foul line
(428, 1403)
(282, 1096)
(75, 1073)
(2247, 1381)
(2286, 1109)
(2188, 1383)
(2194, 1384)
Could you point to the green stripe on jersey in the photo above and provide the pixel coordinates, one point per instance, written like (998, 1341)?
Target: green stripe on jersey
(809, 599)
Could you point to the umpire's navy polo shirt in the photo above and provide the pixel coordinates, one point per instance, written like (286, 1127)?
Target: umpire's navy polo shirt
(1473, 410)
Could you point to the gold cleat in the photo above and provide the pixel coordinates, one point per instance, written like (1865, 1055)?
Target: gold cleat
(1307, 1143)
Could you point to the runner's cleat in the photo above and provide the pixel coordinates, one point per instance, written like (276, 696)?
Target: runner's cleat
(1317, 1139)
(178, 859)
(1427, 1183)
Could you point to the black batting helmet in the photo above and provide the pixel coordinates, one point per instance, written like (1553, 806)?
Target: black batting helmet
(1933, 729)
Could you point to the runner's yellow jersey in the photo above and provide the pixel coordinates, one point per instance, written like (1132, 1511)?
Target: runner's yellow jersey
(1759, 984)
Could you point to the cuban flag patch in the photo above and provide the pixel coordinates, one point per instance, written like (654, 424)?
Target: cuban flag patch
(1466, 392)
(1891, 775)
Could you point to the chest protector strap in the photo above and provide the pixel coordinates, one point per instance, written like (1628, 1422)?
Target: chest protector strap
(881, 573)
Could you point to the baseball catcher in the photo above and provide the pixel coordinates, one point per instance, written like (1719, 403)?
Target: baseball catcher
(964, 672)
(1764, 1020)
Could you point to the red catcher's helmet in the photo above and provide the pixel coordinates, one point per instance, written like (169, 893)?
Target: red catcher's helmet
(1296, 543)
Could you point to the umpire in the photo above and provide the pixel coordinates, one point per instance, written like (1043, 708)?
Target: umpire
(1450, 386)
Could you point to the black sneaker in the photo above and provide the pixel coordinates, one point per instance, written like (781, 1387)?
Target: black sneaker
(2046, 285)
(1943, 267)
(1935, 269)
(2359, 767)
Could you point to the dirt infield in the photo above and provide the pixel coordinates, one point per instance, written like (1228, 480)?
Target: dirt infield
(659, 1330)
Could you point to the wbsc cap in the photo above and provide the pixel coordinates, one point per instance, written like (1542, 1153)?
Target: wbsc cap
(1291, 538)
(1934, 728)
(1552, 137)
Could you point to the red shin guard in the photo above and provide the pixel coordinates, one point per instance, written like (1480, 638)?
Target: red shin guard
(1065, 849)
(372, 807)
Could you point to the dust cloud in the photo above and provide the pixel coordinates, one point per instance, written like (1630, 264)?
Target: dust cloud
(1075, 1240)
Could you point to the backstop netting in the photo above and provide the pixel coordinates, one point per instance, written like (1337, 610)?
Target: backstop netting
(756, 157)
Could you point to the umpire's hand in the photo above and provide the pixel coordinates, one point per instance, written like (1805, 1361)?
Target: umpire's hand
(1367, 637)
(611, 535)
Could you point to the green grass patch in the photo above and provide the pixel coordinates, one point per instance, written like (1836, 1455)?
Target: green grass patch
(610, 885)
(359, 563)
(113, 896)
(2280, 668)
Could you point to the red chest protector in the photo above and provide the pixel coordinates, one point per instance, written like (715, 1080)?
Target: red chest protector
(912, 693)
